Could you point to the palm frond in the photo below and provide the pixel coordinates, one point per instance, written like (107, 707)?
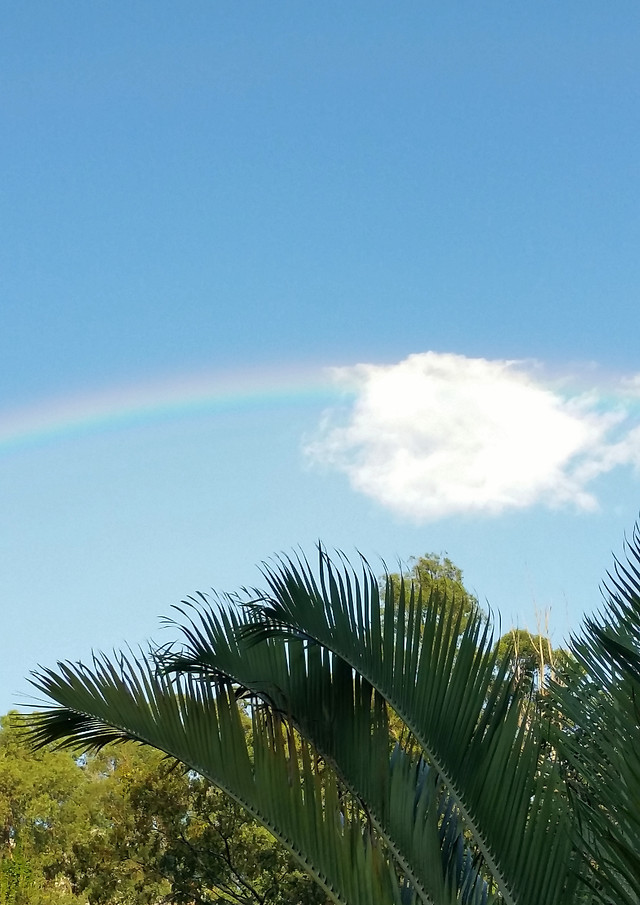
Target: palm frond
(346, 722)
(447, 685)
(200, 725)
(599, 701)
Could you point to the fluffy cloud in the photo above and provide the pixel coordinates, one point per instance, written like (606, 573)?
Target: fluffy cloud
(438, 434)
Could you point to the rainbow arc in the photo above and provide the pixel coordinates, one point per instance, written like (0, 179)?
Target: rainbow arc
(118, 408)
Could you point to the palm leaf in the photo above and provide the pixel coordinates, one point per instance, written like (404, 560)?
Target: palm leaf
(336, 710)
(448, 687)
(599, 702)
(200, 725)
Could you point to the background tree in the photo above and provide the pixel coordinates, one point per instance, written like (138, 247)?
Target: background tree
(169, 826)
(42, 813)
(57, 811)
(533, 658)
(438, 579)
(126, 827)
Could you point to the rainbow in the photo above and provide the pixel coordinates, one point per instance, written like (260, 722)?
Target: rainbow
(121, 407)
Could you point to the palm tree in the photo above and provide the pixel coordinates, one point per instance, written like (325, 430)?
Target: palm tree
(599, 703)
(482, 798)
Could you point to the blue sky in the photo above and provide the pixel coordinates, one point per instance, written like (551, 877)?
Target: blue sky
(207, 208)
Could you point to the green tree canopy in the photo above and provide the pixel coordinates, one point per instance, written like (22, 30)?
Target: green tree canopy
(127, 826)
(437, 578)
(533, 658)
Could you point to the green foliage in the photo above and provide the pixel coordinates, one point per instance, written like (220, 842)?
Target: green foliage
(40, 816)
(492, 795)
(533, 659)
(598, 702)
(126, 826)
(185, 833)
(437, 578)
(17, 880)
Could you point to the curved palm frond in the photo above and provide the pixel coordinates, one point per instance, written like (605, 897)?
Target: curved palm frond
(476, 794)
(347, 723)
(200, 725)
(445, 682)
(599, 703)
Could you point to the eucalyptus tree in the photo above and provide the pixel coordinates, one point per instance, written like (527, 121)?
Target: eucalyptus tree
(476, 803)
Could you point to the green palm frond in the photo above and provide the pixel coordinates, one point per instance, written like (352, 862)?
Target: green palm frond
(599, 702)
(446, 684)
(347, 723)
(483, 799)
(200, 725)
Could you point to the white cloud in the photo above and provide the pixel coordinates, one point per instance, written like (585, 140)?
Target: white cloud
(438, 434)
